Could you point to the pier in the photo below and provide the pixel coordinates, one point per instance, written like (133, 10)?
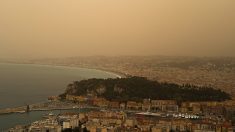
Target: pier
(46, 106)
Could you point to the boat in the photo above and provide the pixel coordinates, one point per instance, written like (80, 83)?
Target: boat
(21, 111)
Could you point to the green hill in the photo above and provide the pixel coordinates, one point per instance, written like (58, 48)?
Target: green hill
(138, 88)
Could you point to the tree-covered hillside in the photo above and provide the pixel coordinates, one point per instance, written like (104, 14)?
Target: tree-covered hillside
(138, 88)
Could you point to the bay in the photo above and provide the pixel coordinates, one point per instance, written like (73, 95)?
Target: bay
(22, 84)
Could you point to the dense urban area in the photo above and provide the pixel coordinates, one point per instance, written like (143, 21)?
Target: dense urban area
(179, 94)
(145, 116)
(218, 72)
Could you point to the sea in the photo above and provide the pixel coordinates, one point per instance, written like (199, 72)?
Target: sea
(22, 84)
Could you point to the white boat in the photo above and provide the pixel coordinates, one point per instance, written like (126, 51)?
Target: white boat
(50, 114)
(21, 112)
(149, 114)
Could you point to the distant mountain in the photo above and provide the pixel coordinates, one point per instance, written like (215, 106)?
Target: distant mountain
(138, 88)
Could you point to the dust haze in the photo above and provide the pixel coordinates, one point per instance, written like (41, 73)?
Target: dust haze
(59, 28)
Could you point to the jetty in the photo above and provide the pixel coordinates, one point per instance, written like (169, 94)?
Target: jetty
(45, 106)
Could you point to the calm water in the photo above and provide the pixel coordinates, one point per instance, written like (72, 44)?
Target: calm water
(10, 120)
(25, 84)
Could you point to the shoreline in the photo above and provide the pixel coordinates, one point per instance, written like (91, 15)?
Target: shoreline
(115, 73)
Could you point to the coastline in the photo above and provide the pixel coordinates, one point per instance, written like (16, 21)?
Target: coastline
(18, 109)
(115, 73)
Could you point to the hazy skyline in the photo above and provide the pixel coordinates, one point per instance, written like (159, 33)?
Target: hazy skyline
(59, 28)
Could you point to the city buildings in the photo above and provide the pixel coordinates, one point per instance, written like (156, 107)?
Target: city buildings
(146, 116)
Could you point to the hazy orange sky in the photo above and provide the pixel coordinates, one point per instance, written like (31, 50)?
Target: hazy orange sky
(62, 28)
